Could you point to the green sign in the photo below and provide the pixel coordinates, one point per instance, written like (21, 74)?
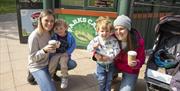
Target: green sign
(82, 28)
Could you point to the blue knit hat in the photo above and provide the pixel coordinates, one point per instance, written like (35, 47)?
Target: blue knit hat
(124, 21)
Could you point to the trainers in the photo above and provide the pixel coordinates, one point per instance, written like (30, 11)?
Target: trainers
(31, 79)
(64, 83)
(56, 78)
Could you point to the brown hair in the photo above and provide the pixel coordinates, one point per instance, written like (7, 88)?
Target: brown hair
(132, 41)
(46, 12)
(104, 22)
(61, 22)
(129, 42)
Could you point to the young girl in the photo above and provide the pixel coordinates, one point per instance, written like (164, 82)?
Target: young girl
(63, 53)
(107, 46)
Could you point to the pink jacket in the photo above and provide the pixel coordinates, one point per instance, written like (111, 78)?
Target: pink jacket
(121, 63)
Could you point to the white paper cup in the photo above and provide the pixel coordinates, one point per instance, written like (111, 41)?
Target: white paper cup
(132, 56)
(54, 44)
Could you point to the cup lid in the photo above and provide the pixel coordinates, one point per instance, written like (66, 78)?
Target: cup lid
(132, 53)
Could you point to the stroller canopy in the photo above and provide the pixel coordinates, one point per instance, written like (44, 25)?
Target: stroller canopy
(169, 24)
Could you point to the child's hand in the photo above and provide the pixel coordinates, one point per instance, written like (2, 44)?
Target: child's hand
(96, 45)
(133, 63)
(58, 44)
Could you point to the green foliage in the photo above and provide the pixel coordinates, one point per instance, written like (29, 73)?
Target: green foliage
(7, 6)
(73, 2)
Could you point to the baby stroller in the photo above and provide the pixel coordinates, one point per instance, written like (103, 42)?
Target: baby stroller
(160, 69)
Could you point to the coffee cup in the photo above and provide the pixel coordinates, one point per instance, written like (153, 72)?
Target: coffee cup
(54, 44)
(132, 56)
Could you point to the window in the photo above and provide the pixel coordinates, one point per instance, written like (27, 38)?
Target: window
(30, 4)
(101, 3)
(98, 5)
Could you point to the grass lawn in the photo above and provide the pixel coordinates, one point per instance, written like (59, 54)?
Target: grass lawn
(7, 6)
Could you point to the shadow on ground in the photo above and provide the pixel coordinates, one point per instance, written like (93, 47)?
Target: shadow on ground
(89, 82)
(85, 83)
(140, 85)
(9, 26)
(8, 17)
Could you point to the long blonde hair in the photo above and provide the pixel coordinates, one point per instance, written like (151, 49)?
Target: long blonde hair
(46, 12)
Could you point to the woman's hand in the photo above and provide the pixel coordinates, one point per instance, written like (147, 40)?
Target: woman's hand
(98, 56)
(101, 57)
(49, 48)
(132, 63)
(105, 58)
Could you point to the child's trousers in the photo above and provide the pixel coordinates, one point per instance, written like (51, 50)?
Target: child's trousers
(104, 74)
(59, 58)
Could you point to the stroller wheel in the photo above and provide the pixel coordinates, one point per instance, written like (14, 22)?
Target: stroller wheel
(149, 87)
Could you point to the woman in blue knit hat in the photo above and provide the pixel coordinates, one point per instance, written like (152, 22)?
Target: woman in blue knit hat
(129, 39)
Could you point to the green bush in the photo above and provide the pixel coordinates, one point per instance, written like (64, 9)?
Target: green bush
(7, 6)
